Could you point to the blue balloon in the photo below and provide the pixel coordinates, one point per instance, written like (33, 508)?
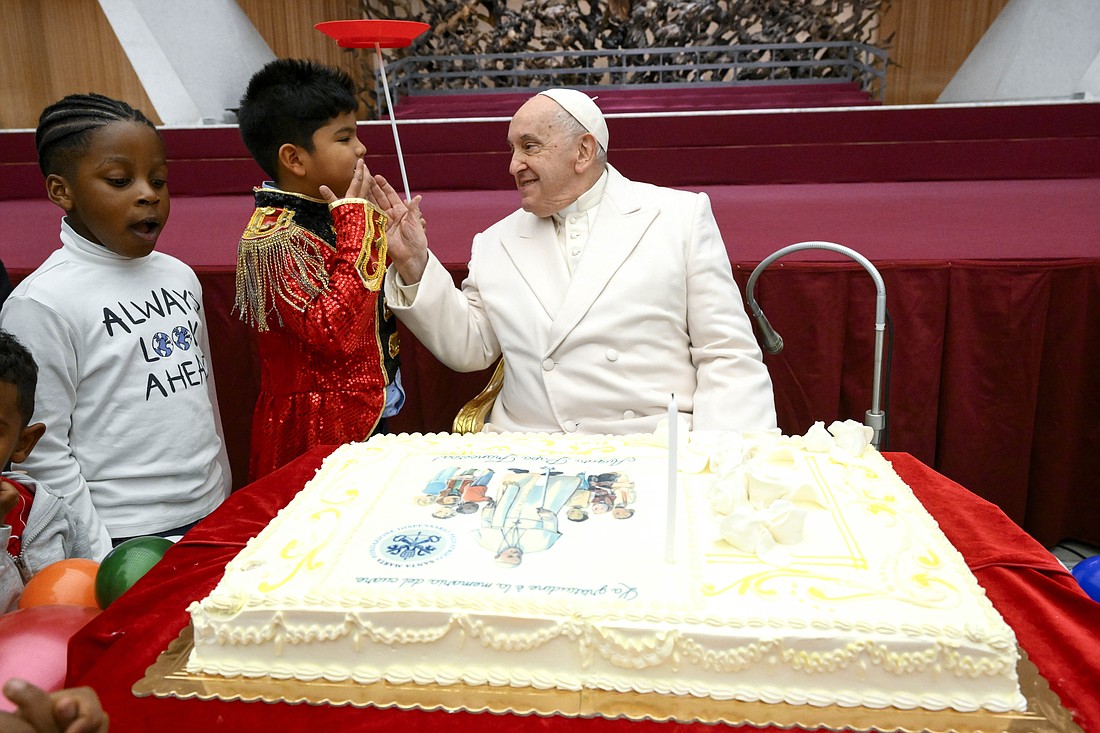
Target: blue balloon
(1087, 573)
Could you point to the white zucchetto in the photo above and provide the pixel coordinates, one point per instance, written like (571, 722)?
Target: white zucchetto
(583, 109)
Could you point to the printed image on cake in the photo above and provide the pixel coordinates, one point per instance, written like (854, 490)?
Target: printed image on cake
(774, 569)
(520, 515)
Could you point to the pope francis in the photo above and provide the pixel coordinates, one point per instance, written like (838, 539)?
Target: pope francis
(604, 295)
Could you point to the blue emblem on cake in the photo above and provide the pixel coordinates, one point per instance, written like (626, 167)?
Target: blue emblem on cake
(413, 545)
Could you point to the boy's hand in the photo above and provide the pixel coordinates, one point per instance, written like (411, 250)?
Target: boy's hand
(9, 498)
(75, 710)
(357, 189)
(407, 240)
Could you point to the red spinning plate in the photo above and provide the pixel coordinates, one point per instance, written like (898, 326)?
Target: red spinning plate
(371, 33)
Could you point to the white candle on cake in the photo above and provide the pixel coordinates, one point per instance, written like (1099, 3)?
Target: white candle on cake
(670, 510)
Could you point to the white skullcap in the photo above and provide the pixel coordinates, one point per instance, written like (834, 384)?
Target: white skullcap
(584, 111)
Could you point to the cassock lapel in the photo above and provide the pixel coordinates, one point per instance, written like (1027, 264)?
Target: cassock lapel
(533, 248)
(620, 224)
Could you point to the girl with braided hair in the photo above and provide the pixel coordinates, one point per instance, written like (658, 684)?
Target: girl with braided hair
(133, 439)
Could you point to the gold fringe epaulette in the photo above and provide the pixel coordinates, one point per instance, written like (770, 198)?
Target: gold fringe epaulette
(273, 253)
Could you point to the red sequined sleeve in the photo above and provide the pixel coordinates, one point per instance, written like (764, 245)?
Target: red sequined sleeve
(340, 319)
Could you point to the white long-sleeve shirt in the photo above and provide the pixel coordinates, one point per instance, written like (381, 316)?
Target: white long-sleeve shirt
(125, 388)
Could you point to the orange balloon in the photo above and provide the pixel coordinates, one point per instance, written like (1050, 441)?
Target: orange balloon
(64, 583)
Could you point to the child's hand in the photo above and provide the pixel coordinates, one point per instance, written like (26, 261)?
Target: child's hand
(9, 498)
(74, 710)
(357, 189)
(405, 235)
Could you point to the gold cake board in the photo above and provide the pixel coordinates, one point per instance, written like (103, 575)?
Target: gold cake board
(168, 678)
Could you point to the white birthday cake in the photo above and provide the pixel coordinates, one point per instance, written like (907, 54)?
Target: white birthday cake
(778, 569)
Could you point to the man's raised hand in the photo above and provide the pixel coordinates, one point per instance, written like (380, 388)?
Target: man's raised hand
(407, 241)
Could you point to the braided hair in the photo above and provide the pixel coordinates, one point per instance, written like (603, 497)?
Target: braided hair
(17, 367)
(66, 126)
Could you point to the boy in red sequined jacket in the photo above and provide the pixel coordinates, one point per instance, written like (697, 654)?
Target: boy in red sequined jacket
(310, 268)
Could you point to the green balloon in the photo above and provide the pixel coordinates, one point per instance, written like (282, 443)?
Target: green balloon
(124, 565)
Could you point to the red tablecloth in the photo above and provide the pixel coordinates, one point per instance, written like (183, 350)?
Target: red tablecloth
(1056, 623)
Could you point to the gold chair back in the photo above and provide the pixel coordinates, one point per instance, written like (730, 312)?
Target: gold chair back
(471, 418)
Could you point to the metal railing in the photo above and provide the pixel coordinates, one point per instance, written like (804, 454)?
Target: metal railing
(744, 64)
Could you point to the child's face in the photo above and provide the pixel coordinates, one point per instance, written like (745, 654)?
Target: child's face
(336, 149)
(117, 195)
(16, 441)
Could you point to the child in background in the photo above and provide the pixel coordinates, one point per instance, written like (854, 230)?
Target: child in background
(37, 528)
(125, 386)
(310, 268)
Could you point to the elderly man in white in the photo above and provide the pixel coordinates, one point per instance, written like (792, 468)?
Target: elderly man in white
(604, 295)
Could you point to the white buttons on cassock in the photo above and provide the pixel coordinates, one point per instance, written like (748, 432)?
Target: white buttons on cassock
(570, 426)
(612, 355)
(547, 364)
(629, 415)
